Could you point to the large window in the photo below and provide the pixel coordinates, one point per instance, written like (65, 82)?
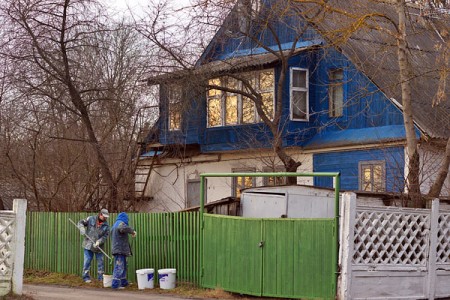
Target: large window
(372, 176)
(277, 180)
(240, 183)
(174, 101)
(227, 108)
(299, 92)
(336, 92)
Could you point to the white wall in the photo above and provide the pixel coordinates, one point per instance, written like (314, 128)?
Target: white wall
(431, 160)
(167, 184)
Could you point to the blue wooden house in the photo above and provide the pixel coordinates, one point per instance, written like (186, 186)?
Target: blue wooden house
(336, 95)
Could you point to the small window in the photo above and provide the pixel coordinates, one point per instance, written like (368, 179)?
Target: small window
(299, 94)
(174, 99)
(274, 181)
(240, 183)
(336, 92)
(193, 193)
(372, 176)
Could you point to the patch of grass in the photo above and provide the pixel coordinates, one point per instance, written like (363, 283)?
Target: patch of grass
(43, 277)
(183, 289)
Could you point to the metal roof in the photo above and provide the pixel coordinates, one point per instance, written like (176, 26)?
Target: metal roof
(374, 52)
(219, 67)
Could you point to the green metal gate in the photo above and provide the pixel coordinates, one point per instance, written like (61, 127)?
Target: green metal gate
(269, 257)
(290, 258)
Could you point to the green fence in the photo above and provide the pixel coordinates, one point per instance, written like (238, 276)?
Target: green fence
(164, 240)
(290, 258)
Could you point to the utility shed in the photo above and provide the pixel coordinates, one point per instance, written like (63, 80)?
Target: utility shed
(298, 201)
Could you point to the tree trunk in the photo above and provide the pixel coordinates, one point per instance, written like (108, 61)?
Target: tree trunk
(413, 184)
(436, 188)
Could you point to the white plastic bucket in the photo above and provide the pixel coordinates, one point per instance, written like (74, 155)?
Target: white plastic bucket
(167, 278)
(107, 280)
(145, 278)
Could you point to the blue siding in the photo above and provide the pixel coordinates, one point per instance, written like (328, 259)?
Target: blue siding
(286, 30)
(193, 120)
(365, 106)
(347, 163)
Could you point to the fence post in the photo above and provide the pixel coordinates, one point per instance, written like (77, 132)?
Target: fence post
(434, 219)
(347, 244)
(20, 209)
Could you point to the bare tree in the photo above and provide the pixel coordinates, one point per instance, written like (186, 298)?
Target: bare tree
(82, 76)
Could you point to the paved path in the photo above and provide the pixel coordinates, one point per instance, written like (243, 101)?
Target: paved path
(51, 292)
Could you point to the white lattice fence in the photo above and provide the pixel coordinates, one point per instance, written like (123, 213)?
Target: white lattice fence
(6, 243)
(443, 239)
(387, 237)
(394, 253)
(12, 247)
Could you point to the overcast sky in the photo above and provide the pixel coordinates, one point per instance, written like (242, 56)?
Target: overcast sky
(136, 6)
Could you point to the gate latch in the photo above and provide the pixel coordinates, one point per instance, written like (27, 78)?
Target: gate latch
(261, 244)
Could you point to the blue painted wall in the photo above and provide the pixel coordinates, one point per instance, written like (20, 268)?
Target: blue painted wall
(348, 164)
(365, 105)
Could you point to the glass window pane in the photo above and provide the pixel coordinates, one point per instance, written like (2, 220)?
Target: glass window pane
(336, 100)
(214, 92)
(214, 112)
(248, 111)
(174, 100)
(299, 105)
(174, 120)
(248, 182)
(378, 178)
(232, 83)
(268, 104)
(336, 92)
(372, 176)
(266, 80)
(231, 110)
(242, 183)
(299, 78)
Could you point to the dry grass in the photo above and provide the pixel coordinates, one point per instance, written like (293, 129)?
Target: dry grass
(16, 297)
(183, 289)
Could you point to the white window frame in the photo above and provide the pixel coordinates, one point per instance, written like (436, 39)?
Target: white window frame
(372, 163)
(332, 84)
(298, 89)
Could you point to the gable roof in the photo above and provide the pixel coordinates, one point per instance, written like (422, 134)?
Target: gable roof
(375, 53)
(371, 50)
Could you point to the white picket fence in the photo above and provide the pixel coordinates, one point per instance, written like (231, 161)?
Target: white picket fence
(394, 253)
(12, 244)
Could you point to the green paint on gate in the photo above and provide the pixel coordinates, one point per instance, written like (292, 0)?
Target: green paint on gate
(232, 256)
(290, 258)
